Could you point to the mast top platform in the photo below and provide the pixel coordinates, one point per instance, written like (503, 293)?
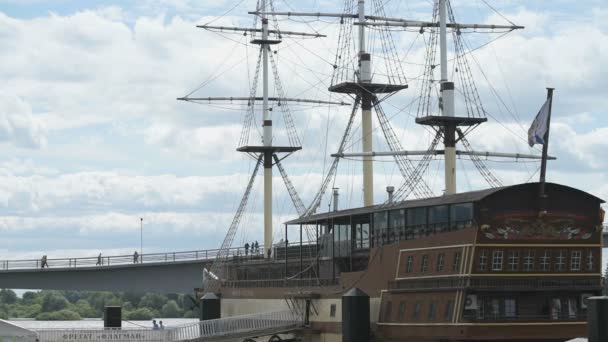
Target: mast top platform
(370, 88)
(266, 41)
(443, 120)
(271, 149)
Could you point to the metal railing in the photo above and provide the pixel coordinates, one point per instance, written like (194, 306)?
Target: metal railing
(103, 334)
(528, 318)
(537, 284)
(310, 282)
(246, 325)
(237, 253)
(112, 260)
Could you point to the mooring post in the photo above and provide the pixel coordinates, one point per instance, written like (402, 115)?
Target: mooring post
(597, 319)
(210, 307)
(355, 316)
(112, 317)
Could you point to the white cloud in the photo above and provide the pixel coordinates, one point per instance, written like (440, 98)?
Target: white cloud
(18, 126)
(64, 76)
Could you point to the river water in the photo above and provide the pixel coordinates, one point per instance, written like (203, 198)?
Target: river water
(97, 323)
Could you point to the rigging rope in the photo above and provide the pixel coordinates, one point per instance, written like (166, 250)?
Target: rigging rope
(332, 170)
(217, 268)
(418, 185)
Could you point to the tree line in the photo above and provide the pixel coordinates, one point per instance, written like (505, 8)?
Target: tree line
(75, 305)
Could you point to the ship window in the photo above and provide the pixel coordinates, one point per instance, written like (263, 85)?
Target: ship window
(440, 260)
(497, 258)
(388, 310)
(560, 260)
(590, 261)
(424, 264)
(438, 218)
(513, 260)
(380, 228)
(494, 307)
(432, 311)
(448, 310)
(416, 216)
(545, 261)
(397, 220)
(410, 264)
(575, 261)
(456, 263)
(483, 260)
(365, 235)
(529, 260)
(510, 307)
(332, 310)
(401, 314)
(461, 215)
(416, 312)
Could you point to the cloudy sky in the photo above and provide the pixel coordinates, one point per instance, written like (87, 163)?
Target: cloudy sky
(92, 137)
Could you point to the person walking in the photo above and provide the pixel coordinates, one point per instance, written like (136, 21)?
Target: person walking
(162, 327)
(246, 248)
(135, 257)
(257, 247)
(99, 263)
(43, 262)
(154, 325)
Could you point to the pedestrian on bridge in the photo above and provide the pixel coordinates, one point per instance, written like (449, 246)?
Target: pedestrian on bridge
(154, 325)
(257, 247)
(99, 263)
(43, 262)
(135, 257)
(246, 248)
(161, 326)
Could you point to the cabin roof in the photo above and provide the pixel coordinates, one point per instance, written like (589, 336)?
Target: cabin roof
(463, 197)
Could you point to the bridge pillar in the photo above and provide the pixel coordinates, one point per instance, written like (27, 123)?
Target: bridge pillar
(355, 316)
(210, 307)
(112, 317)
(597, 316)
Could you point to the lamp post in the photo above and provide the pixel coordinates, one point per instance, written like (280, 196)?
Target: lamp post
(141, 239)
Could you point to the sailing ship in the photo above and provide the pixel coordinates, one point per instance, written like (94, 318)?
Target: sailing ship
(512, 262)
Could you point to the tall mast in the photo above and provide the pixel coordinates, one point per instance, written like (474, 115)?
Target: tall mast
(267, 127)
(366, 112)
(447, 103)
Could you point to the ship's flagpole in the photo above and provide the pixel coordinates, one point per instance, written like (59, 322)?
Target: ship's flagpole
(543, 165)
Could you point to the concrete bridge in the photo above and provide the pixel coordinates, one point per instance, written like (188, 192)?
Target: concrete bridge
(178, 272)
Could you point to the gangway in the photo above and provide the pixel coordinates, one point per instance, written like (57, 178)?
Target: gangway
(222, 329)
(239, 327)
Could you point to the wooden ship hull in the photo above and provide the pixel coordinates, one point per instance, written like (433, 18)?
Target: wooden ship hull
(476, 266)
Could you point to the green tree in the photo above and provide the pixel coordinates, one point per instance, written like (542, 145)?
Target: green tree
(8, 296)
(98, 300)
(132, 297)
(171, 310)
(29, 297)
(54, 301)
(141, 314)
(61, 315)
(153, 301)
(84, 309)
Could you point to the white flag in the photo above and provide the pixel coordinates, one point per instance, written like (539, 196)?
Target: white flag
(538, 129)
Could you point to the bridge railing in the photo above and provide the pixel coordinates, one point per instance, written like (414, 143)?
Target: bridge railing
(115, 260)
(239, 253)
(245, 325)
